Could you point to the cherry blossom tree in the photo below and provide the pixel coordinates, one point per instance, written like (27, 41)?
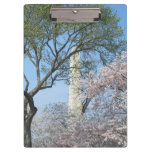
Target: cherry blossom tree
(107, 92)
(52, 129)
(51, 122)
(108, 88)
(104, 123)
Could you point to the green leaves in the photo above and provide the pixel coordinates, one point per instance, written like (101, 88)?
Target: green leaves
(53, 42)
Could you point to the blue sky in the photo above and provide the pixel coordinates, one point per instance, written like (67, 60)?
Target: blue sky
(122, 13)
(59, 92)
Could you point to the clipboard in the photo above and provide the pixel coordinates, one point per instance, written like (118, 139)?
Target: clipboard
(84, 47)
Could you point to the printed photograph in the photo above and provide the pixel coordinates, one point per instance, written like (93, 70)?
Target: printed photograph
(75, 75)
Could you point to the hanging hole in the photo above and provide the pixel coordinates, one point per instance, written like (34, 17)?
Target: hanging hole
(75, 12)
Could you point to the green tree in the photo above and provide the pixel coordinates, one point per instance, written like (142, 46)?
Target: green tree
(48, 47)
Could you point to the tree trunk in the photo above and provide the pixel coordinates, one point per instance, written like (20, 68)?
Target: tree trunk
(28, 117)
(27, 128)
(27, 135)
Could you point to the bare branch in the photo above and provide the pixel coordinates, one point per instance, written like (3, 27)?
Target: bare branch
(50, 48)
(27, 83)
(46, 87)
(54, 40)
(64, 45)
(30, 58)
(53, 69)
(37, 66)
(69, 36)
(52, 82)
(85, 105)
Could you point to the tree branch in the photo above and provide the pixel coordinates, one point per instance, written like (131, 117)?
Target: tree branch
(27, 83)
(50, 48)
(54, 39)
(85, 105)
(50, 86)
(53, 69)
(30, 58)
(37, 66)
(30, 100)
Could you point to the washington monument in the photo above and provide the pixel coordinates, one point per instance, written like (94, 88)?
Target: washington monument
(75, 104)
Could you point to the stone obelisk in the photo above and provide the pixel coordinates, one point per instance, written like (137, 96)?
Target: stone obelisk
(75, 104)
